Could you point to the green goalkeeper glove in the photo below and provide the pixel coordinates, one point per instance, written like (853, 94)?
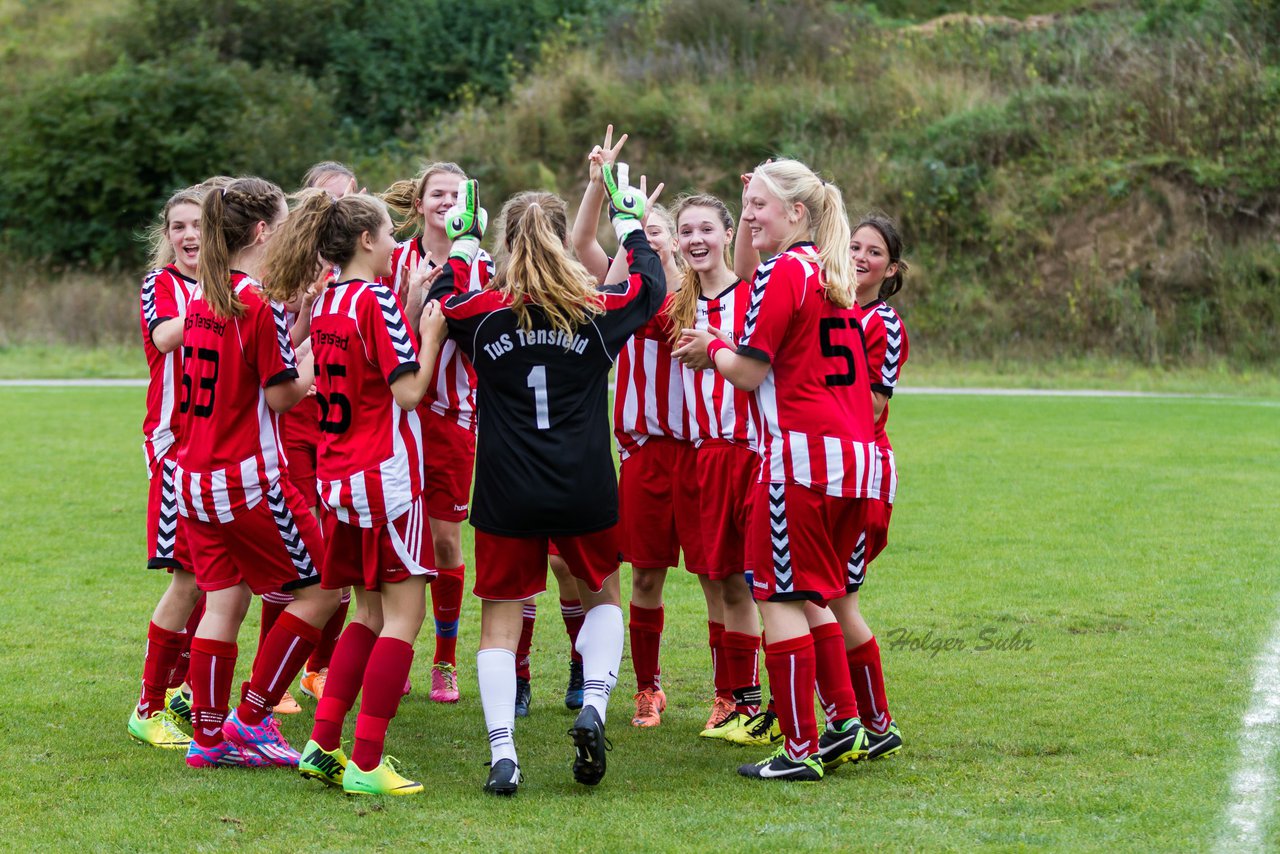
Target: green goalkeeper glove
(626, 204)
(465, 222)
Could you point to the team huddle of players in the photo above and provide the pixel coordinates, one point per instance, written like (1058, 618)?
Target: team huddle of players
(321, 396)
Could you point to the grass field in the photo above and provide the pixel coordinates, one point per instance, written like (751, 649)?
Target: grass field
(1129, 543)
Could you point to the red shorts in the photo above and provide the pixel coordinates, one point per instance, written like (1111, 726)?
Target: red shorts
(726, 482)
(873, 540)
(383, 554)
(273, 546)
(509, 569)
(658, 507)
(450, 465)
(800, 542)
(301, 429)
(166, 529)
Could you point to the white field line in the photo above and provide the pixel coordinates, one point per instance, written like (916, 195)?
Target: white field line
(1253, 788)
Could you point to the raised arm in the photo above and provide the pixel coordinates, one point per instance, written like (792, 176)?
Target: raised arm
(583, 236)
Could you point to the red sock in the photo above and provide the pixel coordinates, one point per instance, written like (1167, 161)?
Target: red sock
(163, 649)
(179, 673)
(835, 693)
(719, 665)
(346, 674)
(742, 661)
(279, 660)
(719, 661)
(446, 607)
(213, 665)
(646, 638)
(792, 674)
(573, 615)
(323, 653)
(867, 676)
(384, 677)
(273, 605)
(526, 641)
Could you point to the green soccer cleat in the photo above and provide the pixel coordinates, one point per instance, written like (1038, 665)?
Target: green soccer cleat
(887, 743)
(178, 703)
(729, 723)
(840, 744)
(780, 766)
(327, 766)
(159, 730)
(383, 780)
(761, 730)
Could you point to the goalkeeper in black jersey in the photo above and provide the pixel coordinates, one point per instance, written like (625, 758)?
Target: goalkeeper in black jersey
(542, 338)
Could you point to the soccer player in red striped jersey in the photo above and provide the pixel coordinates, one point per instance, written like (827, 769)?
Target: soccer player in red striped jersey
(369, 383)
(248, 529)
(447, 412)
(300, 428)
(543, 338)
(713, 298)
(876, 250)
(166, 290)
(801, 354)
(658, 503)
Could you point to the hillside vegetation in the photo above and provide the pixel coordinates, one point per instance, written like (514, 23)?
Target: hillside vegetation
(1071, 179)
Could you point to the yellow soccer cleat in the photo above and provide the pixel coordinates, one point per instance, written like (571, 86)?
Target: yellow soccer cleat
(730, 723)
(159, 730)
(383, 780)
(759, 729)
(327, 766)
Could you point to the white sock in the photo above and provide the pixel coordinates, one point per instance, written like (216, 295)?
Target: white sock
(496, 670)
(600, 645)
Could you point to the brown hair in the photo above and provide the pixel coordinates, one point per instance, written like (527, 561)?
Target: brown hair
(893, 242)
(319, 227)
(228, 217)
(402, 196)
(158, 233)
(532, 230)
(684, 308)
(316, 174)
(825, 221)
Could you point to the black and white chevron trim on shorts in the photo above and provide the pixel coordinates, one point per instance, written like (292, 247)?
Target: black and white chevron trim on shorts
(292, 539)
(394, 319)
(783, 578)
(162, 550)
(856, 569)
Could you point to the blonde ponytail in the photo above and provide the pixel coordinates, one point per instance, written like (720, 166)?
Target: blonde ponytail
(228, 218)
(825, 222)
(538, 269)
(319, 227)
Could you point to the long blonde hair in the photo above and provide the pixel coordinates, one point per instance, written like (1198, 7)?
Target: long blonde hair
(320, 226)
(227, 219)
(403, 196)
(158, 234)
(824, 222)
(683, 310)
(537, 269)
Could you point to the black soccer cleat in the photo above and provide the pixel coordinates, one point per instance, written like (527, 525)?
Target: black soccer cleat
(504, 778)
(887, 743)
(846, 742)
(780, 766)
(590, 746)
(524, 693)
(573, 691)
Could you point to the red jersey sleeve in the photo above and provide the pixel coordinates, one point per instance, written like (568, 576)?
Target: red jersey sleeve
(387, 342)
(271, 352)
(776, 295)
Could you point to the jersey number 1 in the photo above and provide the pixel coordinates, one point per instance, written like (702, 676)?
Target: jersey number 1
(538, 382)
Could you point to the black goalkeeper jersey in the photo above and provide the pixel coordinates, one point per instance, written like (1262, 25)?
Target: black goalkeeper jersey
(544, 462)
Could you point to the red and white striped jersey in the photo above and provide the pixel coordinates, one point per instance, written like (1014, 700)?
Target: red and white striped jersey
(453, 385)
(300, 426)
(717, 409)
(886, 342)
(648, 391)
(814, 408)
(369, 464)
(231, 452)
(165, 294)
